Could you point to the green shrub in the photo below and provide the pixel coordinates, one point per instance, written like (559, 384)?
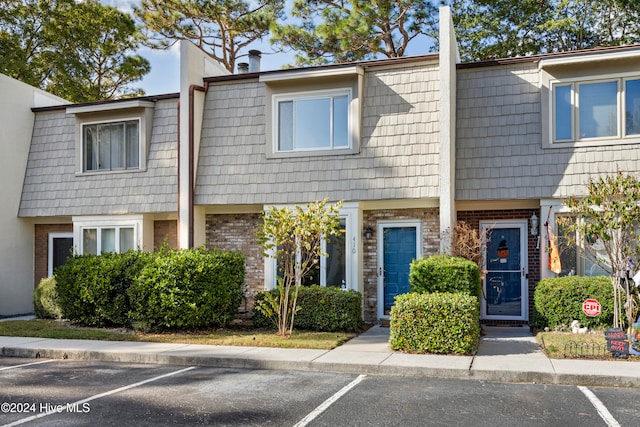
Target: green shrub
(328, 309)
(558, 301)
(444, 273)
(45, 300)
(435, 323)
(193, 288)
(92, 290)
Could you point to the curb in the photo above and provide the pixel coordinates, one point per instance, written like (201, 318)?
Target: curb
(239, 362)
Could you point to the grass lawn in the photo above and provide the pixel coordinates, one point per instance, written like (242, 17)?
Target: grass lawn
(565, 345)
(227, 336)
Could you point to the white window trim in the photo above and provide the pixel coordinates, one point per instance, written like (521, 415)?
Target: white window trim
(109, 113)
(619, 138)
(128, 221)
(58, 235)
(104, 122)
(349, 212)
(309, 95)
(557, 209)
(380, 254)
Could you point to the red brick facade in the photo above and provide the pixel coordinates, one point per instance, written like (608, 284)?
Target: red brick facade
(165, 231)
(238, 232)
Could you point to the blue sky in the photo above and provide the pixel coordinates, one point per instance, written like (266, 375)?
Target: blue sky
(165, 64)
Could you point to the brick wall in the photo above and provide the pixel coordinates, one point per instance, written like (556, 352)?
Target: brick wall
(237, 232)
(41, 251)
(473, 218)
(165, 231)
(430, 245)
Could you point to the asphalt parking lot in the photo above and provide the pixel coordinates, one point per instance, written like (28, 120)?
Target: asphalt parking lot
(71, 393)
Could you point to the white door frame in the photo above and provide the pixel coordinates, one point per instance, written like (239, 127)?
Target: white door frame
(52, 236)
(524, 268)
(382, 225)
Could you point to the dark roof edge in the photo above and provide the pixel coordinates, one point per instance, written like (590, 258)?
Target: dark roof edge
(366, 64)
(151, 98)
(536, 58)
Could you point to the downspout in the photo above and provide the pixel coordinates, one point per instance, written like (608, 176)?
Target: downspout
(191, 162)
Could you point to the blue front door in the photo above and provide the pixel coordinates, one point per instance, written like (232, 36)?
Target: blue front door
(505, 282)
(399, 248)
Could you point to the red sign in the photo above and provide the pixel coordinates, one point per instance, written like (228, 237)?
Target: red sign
(591, 307)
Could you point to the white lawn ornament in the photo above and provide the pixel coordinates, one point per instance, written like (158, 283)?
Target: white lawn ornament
(576, 329)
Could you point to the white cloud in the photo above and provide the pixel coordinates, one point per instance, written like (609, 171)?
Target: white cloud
(123, 5)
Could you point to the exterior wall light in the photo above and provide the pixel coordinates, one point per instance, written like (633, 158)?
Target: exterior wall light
(534, 224)
(368, 233)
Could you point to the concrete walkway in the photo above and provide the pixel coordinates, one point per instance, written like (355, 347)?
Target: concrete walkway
(506, 354)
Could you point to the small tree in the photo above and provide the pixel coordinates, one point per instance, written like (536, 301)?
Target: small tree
(608, 221)
(468, 243)
(293, 237)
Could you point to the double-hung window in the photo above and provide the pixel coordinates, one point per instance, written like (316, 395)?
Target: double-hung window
(312, 121)
(595, 109)
(111, 146)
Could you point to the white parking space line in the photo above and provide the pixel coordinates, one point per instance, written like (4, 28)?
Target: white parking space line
(330, 401)
(602, 410)
(26, 364)
(79, 403)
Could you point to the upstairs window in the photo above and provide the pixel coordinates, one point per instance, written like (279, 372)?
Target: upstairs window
(111, 146)
(591, 110)
(312, 121)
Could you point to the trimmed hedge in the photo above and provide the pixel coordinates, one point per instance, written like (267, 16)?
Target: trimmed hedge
(45, 300)
(176, 289)
(439, 322)
(328, 309)
(444, 273)
(558, 301)
(188, 289)
(92, 290)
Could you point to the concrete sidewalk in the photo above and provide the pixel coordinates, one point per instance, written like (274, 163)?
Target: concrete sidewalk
(506, 354)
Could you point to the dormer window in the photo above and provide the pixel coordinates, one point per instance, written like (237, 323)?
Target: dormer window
(112, 137)
(313, 112)
(111, 146)
(313, 121)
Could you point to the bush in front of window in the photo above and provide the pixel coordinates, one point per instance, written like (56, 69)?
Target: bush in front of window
(444, 273)
(327, 309)
(45, 300)
(439, 322)
(558, 301)
(188, 289)
(92, 290)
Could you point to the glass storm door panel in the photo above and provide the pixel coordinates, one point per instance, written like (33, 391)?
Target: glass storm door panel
(505, 279)
(61, 248)
(399, 249)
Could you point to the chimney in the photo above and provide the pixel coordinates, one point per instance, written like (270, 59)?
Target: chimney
(254, 61)
(243, 68)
